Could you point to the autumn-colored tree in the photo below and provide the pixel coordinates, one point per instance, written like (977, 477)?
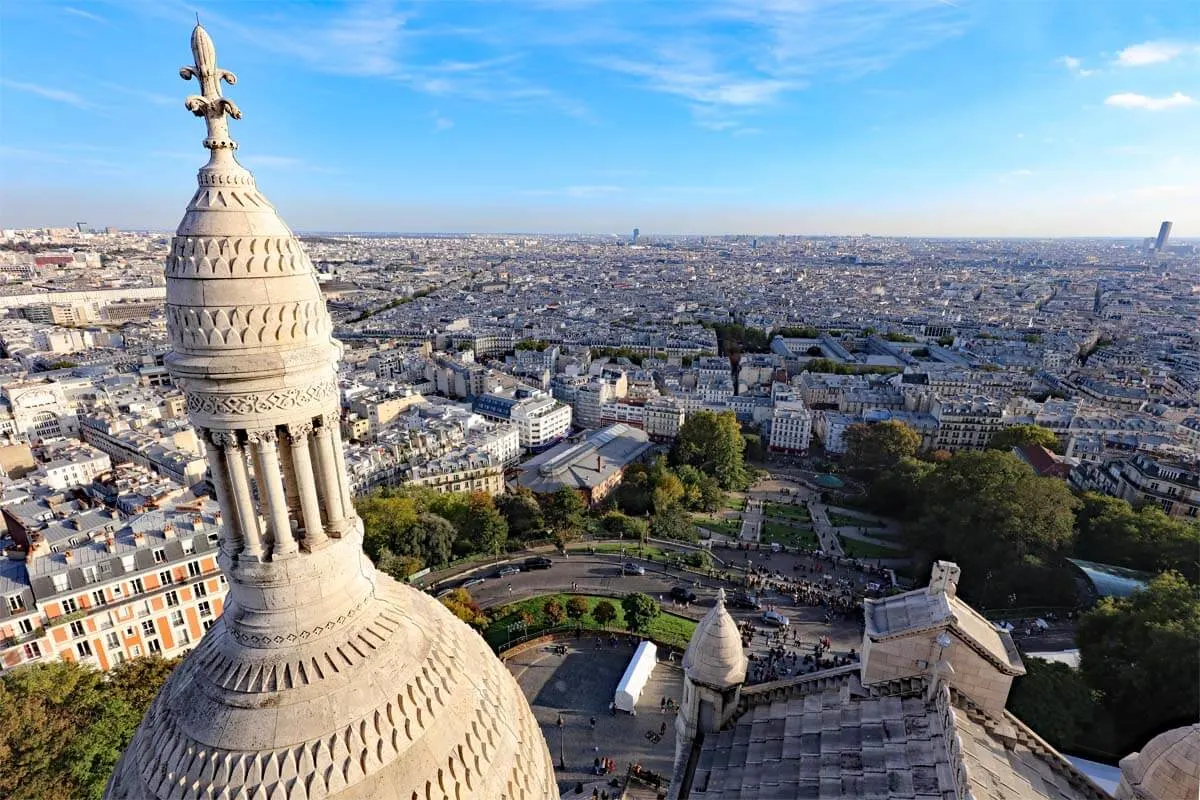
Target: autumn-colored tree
(554, 612)
(604, 612)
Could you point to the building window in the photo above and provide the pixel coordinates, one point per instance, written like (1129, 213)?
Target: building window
(205, 609)
(32, 650)
(69, 606)
(177, 619)
(154, 647)
(77, 628)
(172, 598)
(189, 546)
(25, 625)
(138, 586)
(193, 569)
(84, 649)
(206, 624)
(89, 574)
(16, 603)
(148, 628)
(98, 598)
(160, 555)
(165, 577)
(113, 641)
(200, 589)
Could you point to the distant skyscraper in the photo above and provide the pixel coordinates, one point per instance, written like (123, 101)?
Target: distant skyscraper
(635, 235)
(1164, 233)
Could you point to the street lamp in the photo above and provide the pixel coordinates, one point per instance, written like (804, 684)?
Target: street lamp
(562, 759)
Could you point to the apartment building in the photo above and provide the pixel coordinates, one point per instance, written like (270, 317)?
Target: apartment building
(149, 586)
(791, 427)
(662, 418)
(966, 423)
(1174, 487)
(540, 420)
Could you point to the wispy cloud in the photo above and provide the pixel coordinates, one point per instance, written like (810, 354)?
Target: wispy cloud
(1133, 100)
(48, 92)
(441, 123)
(79, 12)
(1146, 53)
(1075, 65)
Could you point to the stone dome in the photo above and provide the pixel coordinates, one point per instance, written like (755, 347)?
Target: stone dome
(714, 656)
(322, 678)
(1167, 768)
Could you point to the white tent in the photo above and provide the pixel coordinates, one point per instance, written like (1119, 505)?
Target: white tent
(635, 677)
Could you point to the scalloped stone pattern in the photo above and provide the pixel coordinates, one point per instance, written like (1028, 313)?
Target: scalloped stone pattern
(449, 721)
(201, 257)
(271, 325)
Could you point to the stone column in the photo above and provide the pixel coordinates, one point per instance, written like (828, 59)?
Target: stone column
(220, 474)
(306, 485)
(339, 460)
(270, 489)
(331, 489)
(289, 480)
(239, 488)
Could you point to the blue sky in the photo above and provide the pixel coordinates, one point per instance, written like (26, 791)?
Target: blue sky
(1013, 117)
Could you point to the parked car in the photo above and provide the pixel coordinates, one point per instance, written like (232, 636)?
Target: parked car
(473, 582)
(745, 600)
(538, 562)
(630, 568)
(775, 618)
(511, 569)
(683, 594)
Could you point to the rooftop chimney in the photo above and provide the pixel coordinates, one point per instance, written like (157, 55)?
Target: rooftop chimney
(944, 579)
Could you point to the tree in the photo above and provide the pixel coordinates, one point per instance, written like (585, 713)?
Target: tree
(482, 528)
(675, 524)
(1057, 702)
(1023, 436)
(63, 725)
(622, 526)
(815, 351)
(554, 612)
(712, 443)
(522, 513)
(639, 610)
(700, 559)
(563, 510)
(1140, 653)
(577, 608)
(386, 519)
(897, 492)
(604, 612)
(433, 539)
(668, 490)
(871, 448)
(1005, 526)
(463, 606)
(1112, 532)
(398, 567)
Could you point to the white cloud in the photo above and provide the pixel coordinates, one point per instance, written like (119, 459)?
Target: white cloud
(1146, 53)
(48, 92)
(1076, 66)
(1132, 100)
(442, 124)
(85, 14)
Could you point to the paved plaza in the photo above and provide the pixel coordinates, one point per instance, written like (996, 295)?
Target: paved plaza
(580, 686)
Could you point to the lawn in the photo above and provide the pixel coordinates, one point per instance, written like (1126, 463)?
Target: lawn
(789, 536)
(726, 527)
(843, 521)
(630, 548)
(666, 628)
(798, 513)
(735, 502)
(856, 548)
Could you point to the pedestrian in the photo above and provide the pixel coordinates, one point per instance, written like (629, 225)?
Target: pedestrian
(662, 731)
(662, 705)
(593, 723)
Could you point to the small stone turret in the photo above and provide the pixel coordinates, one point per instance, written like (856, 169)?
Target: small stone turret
(714, 669)
(1167, 767)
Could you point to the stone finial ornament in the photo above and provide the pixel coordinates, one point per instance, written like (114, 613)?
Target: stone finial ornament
(210, 104)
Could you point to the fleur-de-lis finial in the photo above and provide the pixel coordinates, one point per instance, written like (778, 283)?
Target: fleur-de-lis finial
(209, 103)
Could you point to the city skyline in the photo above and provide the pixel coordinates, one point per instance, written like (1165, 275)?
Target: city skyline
(924, 119)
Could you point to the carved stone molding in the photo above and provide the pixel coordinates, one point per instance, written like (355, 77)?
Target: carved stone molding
(262, 402)
(236, 256)
(225, 440)
(272, 325)
(298, 431)
(261, 436)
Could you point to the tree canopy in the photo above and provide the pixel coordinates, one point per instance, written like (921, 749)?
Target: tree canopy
(1023, 436)
(639, 609)
(604, 612)
(563, 510)
(1005, 526)
(1140, 652)
(522, 513)
(1112, 532)
(712, 443)
(871, 448)
(63, 725)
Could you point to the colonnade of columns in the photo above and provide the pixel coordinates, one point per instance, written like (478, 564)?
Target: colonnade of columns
(281, 490)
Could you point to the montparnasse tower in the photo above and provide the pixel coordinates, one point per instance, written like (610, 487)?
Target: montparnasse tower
(323, 678)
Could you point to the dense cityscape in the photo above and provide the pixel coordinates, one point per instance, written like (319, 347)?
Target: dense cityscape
(734, 517)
